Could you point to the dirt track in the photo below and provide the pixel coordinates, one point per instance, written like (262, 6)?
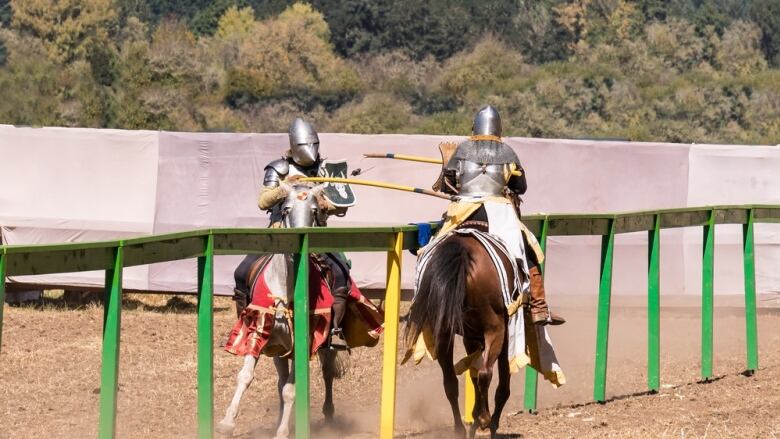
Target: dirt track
(49, 378)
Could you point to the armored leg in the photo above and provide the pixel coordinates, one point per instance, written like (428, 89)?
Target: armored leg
(241, 291)
(341, 284)
(339, 308)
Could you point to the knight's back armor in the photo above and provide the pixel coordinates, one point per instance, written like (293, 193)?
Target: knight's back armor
(484, 168)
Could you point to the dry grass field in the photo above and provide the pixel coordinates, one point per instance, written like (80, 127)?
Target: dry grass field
(50, 377)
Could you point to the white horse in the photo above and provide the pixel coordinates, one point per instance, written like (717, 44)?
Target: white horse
(300, 209)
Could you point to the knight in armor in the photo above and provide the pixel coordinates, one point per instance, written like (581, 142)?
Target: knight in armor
(301, 160)
(480, 172)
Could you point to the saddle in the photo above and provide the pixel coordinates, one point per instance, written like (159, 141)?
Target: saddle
(334, 269)
(328, 278)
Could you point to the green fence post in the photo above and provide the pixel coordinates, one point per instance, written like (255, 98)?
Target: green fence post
(751, 325)
(2, 296)
(708, 262)
(602, 331)
(531, 375)
(301, 343)
(206, 341)
(654, 306)
(110, 362)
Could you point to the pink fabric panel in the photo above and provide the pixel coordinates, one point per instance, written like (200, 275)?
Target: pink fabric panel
(78, 178)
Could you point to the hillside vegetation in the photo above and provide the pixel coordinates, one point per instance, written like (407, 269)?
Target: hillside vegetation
(661, 70)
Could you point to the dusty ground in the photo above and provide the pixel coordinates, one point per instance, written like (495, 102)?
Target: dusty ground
(49, 377)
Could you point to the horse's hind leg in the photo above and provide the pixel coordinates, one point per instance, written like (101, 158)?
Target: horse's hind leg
(444, 355)
(494, 341)
(502, 391)
(473, 345)
(328, 362)
(288, 398)
(244, 379)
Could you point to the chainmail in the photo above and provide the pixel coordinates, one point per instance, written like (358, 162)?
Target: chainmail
(485, 152)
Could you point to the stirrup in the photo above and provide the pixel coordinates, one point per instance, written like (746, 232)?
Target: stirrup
(338, 345)
(549, 319)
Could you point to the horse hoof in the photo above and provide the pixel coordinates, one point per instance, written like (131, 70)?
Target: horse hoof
(225, 429)
(328, 413)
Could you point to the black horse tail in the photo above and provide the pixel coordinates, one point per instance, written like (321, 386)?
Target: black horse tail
(438, 302)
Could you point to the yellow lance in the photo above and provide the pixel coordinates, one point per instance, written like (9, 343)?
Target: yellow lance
(414, 158)
(379, 184)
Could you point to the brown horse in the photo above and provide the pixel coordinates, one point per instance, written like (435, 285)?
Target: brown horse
(459, 292)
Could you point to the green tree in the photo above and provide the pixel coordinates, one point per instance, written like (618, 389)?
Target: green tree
(739, 52)
(766, 13)
(489, 68)
(29, 81)
(161, 84)
(68, 29)
(6, 13)
(375, 113)
(290, 57)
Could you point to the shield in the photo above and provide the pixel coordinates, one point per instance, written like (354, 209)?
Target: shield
(339, 194)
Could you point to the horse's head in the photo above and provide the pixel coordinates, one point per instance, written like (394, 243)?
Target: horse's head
(301, 209)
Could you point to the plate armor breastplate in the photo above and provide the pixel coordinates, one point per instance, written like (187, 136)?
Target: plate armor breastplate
(293, 169)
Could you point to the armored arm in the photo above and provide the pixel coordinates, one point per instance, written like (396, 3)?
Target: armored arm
(272, 193)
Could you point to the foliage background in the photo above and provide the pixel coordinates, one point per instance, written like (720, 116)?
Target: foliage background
(662, 70)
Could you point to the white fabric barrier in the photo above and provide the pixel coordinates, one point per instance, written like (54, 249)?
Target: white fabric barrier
(75, 185)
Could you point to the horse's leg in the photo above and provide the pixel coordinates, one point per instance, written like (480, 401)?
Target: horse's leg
(244, 379)
(494, 340)
(328, 362)
(444, 354)
(282, 374)
(288, 396)
(502, 391)
(473, 345)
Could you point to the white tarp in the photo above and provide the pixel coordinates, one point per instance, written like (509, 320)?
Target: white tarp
(70, 185)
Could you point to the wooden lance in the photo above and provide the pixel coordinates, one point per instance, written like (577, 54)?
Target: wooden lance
(379, 184)
(414, 158)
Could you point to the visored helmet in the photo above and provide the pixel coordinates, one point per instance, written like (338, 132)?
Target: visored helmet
(304, 143)
(487, 122)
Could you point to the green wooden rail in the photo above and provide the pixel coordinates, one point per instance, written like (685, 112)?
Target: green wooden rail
(653, 221)
(113, 256)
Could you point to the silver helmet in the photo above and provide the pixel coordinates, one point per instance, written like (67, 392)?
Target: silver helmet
(304, 143)
(487, 122)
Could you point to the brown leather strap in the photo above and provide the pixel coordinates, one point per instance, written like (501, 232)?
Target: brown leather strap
(480, 225)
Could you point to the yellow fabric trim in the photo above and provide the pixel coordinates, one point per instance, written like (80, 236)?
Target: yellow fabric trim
(459, 211)
(518, 362)
(485, 137)
(514, 306)
(471, 361)
(423, 346)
